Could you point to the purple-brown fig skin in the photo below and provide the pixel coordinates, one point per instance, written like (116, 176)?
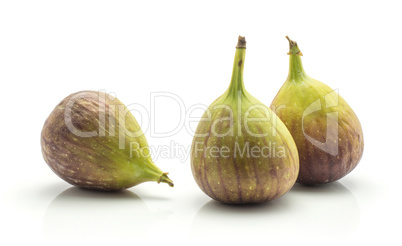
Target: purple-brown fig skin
(338, 123)
(90, 162)
(235, 179)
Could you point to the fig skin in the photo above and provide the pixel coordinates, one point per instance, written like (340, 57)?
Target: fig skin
(228, 176)
(86, 141)
(326, 130)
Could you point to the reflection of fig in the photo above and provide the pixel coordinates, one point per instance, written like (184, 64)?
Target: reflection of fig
(327, 132)
(312, 214)
(92, 140)
(80, 216)
(242, 152)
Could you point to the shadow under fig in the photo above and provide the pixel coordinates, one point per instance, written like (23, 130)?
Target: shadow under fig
(78, 214)
(333, 188)
(315, 213)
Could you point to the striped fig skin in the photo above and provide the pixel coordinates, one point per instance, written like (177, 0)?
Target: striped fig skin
(237, 179)
(222, 164)
(84, 143)
(329, 140)
(318, 165)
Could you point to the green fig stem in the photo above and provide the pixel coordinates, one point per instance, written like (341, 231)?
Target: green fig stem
(165, 179)
(296, 70)
(237, 85)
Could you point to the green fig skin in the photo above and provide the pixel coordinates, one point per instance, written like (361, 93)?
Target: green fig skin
(218, 165)
(326, 130)
(88, 141)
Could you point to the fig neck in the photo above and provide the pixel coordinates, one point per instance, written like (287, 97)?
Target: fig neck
(236, 86)
(296, 70)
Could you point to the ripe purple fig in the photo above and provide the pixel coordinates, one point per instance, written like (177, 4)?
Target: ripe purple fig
(241, 151)
(91, 140)
(327, 132)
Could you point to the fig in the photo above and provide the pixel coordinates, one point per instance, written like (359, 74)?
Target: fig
(91, 140)
(241, 151)
(327, 132)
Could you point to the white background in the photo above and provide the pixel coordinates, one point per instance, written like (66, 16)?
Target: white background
(50, 49)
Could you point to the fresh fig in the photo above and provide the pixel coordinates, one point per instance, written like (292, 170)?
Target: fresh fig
(242, 152)
(327, 132)
(91, 140)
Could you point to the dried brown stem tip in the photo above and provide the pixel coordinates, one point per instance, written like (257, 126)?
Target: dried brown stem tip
(291, 43)
(241, 43)
(293, 48)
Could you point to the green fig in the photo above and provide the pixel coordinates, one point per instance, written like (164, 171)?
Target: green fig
(327, 132)
(91, 140)
(241, 151)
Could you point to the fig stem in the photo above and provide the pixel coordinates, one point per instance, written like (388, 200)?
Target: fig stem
(293, 48)
(165, 179)
(236, 86)
(296, 70)
(241, 42)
